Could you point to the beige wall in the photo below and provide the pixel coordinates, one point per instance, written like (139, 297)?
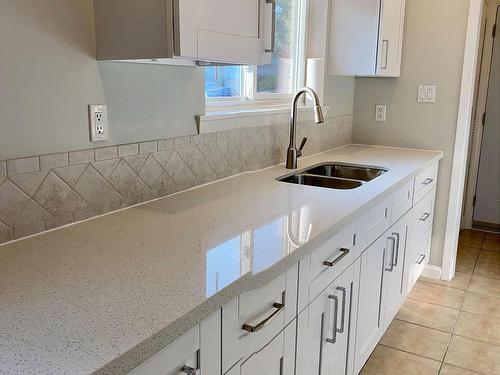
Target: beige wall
(432, 54)
(48, 76)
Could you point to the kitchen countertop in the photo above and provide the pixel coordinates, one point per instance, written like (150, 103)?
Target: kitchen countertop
(101, 296)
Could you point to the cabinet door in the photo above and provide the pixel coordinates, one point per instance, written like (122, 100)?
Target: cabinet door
(219, 30)
(370, 324)
(276, 358)
(390, 38)
(395, 292)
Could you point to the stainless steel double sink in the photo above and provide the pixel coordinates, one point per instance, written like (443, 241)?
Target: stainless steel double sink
(335, 175)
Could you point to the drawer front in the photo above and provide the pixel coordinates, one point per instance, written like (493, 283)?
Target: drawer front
(425, 182)
(422, 214)
(325, 264)
(373, 223)
(181, 355)
(250, 321)
(420, 249)
(402, 201)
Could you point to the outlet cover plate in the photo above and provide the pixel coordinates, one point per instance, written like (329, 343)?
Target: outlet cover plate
(380, 112)
(98, 122)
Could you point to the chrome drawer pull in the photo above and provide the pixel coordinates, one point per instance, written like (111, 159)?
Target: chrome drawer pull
(189, 370)
(425, 216)
(278, 306)
(420, 258)
(342, 319)
(428, 181)
(335, 299)
(331, 263)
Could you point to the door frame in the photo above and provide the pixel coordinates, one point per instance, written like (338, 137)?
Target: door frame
(480, 108)
(465, 109)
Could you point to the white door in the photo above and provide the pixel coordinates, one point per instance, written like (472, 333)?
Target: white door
(487, 207)
(390, 37)
(395, 289)
(370, 323)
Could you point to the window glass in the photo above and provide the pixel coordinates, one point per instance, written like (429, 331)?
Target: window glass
(223, 81)
(277, 77)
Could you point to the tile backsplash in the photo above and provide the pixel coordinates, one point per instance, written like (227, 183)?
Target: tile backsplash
(44, 192)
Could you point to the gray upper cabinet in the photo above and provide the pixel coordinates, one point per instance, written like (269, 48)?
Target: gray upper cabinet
(219, 31)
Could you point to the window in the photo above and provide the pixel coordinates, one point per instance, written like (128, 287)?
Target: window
(237, 85)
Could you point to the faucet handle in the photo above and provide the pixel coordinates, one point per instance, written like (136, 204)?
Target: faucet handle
(302, 144)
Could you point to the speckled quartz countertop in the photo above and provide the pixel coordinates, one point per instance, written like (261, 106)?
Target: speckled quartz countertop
(101, 296)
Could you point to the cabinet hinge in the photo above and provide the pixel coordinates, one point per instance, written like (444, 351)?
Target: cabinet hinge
(494, 33)
(474, 201)
(483, 120)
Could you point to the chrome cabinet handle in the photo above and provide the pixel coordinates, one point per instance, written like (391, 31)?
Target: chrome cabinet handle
(428, 181)
(331, 263)
(273, 27)
(335, 299)
(249, 328)
(385, 43)
(397, 249)
(189, 370)
(425, 216)
(420, 258)
(391, 266)
(342, 319)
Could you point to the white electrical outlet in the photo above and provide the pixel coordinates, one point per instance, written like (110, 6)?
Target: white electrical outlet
(380, 112)
(98, 120)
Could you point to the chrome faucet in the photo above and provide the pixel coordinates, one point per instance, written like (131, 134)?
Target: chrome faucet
(293, 153)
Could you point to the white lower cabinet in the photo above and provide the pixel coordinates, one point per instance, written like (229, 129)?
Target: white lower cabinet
(326, 328)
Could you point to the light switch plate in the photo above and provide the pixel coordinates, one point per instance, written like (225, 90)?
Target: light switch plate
(426, 94)
(98, 122)
(380, 112)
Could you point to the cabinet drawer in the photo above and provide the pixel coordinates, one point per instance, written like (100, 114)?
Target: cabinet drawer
(181, 354)
(373, 223)
(419, 248)
(422, 215)
(402, 201)
(250, 321)
(326, 263)
(425, 182)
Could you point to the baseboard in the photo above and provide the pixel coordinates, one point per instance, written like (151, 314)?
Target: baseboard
(433, 272)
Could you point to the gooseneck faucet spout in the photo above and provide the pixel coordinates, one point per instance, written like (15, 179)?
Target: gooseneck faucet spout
(293, 153)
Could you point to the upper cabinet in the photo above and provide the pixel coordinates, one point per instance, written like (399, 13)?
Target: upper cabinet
(366, 37)
(216, 31)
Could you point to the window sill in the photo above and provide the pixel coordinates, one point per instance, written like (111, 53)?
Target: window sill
(228, 119)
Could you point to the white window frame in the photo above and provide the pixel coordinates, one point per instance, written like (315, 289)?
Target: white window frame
(253, 99)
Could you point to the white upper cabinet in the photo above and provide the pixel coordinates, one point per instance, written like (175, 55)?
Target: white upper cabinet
(366, 37)
(216, 31)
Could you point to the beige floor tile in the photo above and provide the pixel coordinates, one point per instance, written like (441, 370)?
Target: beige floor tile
(452, 370)
(474, 355)
(467, 252)
(488, 270)
(428, 315)
(485, 286)
(478, 327)
(472, 233)
(465, 265)
(493, 245)
(486, 256)
(437, 294)
(460, 281)
(471, 241)
(422, 341)
(388, 361)
(483, 305)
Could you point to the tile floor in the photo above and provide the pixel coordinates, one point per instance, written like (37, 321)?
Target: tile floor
(448, 328)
